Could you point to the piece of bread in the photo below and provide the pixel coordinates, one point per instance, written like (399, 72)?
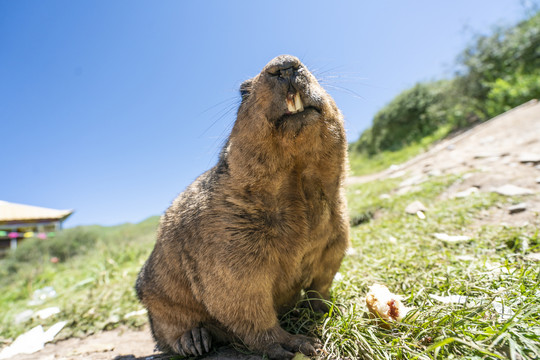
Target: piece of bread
(385, 305)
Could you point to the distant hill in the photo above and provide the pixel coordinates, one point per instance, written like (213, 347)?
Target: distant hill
(497, 72)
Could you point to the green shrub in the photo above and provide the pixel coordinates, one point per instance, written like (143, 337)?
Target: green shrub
(507, 94)
(498, 72)
(67, 244)
(412, 115)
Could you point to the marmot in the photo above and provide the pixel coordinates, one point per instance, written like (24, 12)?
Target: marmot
(265, 225)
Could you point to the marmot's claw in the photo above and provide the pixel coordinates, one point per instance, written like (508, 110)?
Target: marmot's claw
(196, 342)
(206, 339)
(304, 344)
(276, 351)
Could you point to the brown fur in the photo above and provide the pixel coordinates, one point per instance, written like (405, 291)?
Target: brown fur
(268, 221)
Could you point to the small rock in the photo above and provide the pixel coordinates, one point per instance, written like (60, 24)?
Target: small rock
(487, 140)
(406, 190)
(450, 147)
(384, 196)
(512, 190)
(530, 158)
(538, 180)
(465, 193)
(397, 174)
(415, 207)
(451, 238)
(413, 180)
(517, 208)
(486, 155)
(420, 215)
(435, 173)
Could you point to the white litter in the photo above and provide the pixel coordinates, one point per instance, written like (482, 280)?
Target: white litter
(135, 313)
(32, 341)
(451, 238)
(40, 295)
(465, 258)
(23, 316)
(504, 312)
(533, 257)
(48, 312)
(450, 299)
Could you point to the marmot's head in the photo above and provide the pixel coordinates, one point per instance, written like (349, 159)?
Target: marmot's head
(286, 96)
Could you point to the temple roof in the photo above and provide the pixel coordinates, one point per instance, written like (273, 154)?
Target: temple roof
(11, 212)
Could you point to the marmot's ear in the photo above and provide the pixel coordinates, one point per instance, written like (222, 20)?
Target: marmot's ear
(245, 89)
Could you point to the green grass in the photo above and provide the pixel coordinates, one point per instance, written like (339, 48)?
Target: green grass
(399, 250)
(95, 283)
(362, 164)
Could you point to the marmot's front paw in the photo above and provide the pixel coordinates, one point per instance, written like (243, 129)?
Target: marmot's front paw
(196, 341)
(319, 306)
(285, 350)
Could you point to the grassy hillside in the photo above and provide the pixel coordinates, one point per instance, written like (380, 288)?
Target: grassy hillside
(95, 281)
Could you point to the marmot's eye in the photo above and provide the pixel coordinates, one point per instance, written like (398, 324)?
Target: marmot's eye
(274, 71)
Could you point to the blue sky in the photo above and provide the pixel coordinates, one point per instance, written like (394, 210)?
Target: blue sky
(112, 108)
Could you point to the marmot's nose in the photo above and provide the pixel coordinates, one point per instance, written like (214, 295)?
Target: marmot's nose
(284, 65)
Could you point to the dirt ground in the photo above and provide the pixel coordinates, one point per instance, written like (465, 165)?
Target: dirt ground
(119, 344)
(504, 150)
